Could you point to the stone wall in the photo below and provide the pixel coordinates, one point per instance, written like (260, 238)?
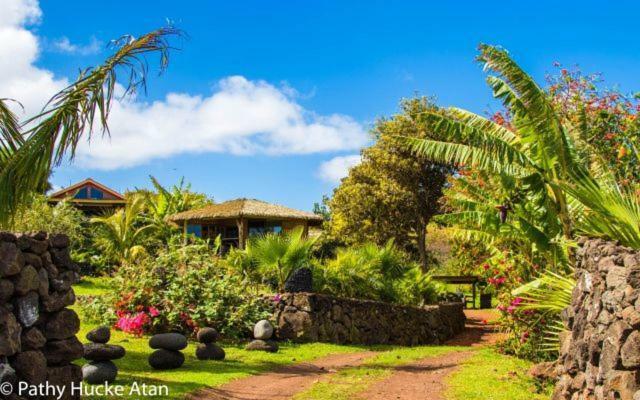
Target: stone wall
(310, 317)
(37, 331)
(600, 356)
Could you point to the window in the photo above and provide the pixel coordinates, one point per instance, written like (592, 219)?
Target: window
(97, 194)
(261, 227)
(82, 193)
(194, 230)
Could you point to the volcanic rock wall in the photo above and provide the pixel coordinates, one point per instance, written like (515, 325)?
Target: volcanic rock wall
(600, 356)
(312, 317)
(37, 331)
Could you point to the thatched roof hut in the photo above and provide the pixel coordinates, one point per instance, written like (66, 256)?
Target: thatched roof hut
(236, 220)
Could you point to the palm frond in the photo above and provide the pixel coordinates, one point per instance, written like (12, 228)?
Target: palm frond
(74, 113)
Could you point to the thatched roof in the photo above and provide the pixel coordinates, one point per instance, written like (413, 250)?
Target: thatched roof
(244, 208)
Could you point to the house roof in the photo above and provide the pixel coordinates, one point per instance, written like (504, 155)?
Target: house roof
(64, 192)
(244, 208)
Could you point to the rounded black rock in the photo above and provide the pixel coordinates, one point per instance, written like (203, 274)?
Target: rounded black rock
(98, 372)
(209, 351)
(168, 341)
(166, 359)
(207, 335)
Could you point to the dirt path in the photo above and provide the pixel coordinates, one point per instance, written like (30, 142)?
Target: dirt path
(284, 382)
(422, 380)
(426, 379)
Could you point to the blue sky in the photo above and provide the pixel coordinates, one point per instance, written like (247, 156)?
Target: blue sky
(335, 66)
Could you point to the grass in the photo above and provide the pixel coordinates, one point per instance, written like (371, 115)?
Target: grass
(194, 374)
(489, 375)
(92, 286)
(346, 383)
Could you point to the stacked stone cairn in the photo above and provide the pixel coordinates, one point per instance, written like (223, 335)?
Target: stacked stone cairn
(208, 349)
(167, 354)
(262, 333)
(37, 331)
(101, 368)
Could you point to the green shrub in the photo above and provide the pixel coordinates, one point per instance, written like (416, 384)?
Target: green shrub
(180, 290)
(375, 272)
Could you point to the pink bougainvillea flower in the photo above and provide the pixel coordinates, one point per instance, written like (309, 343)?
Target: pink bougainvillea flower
(134, 324)
(277, 298)
(153, 311)
(516, 301)
(511, 309)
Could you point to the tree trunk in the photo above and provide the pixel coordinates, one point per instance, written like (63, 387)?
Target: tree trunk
(421, 233)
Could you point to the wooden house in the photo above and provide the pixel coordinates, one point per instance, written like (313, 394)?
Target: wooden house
(89, 196)
(237, 220)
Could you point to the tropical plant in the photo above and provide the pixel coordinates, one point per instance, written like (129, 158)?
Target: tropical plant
(28, 151)
(277, 255)
(166, 202)
(548, 295)
(121, 237)
(374, 272)
(526, 157)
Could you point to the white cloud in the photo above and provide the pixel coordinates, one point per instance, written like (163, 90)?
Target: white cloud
(334, 170)
(64, 45)
(240, 116)
(20, 79)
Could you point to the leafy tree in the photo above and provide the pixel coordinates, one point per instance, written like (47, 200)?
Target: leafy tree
(391, 194)
(38, 215)
(322, 208)
(120, 236)
(28, 151)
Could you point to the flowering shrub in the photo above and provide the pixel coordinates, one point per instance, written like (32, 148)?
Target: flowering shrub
(525, 327)
(181, 290)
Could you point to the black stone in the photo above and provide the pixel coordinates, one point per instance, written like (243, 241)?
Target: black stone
(65, 376)
(62, 324)
(103, 352)
(209, 351)
(301, 280)
(207, 335)
(166, 359)
(168, 341)
(59, 241)
(59, 352)
(263, 345)
(31, 367)
(32, 339)
(6, 290)
(101, 334)
(11, 259)
(98, 372)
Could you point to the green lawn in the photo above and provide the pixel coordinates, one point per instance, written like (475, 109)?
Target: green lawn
(489, 375)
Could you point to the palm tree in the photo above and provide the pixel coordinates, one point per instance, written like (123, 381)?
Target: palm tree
(278, 255)
(166, 202)
(121, 237)
(29, 151)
